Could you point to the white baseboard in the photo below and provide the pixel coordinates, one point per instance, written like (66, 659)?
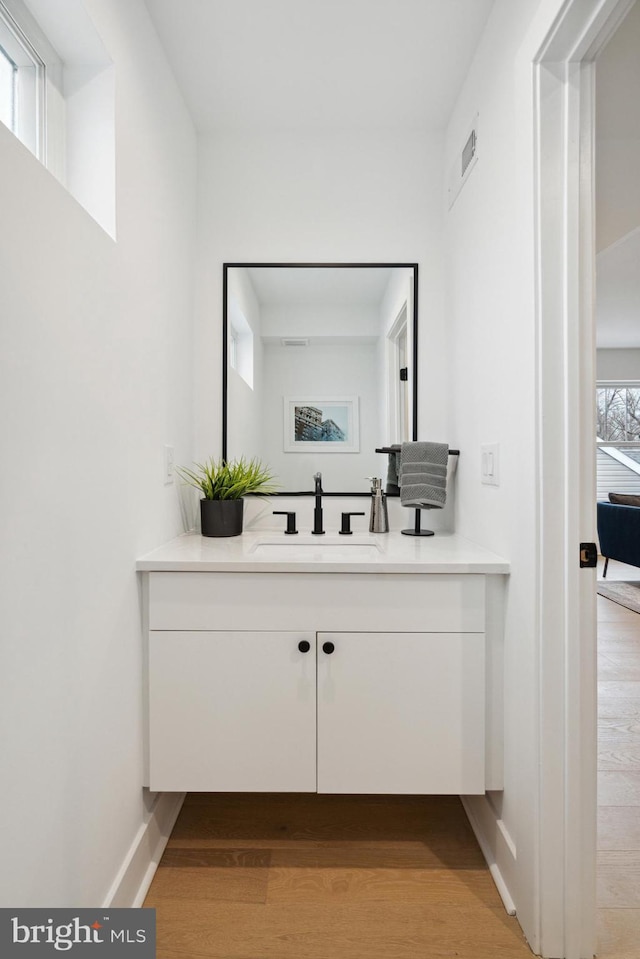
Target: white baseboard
(495, 842)
(138, 869)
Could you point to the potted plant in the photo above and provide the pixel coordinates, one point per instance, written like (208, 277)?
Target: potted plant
(223, 483)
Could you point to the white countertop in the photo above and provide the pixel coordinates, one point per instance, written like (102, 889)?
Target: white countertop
(267, 551)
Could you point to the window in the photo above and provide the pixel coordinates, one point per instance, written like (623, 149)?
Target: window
(7, 90)
(618, 407)
(62, 110)
(22, 78)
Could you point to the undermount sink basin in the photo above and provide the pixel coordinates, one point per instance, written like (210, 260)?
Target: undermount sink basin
(294, 548)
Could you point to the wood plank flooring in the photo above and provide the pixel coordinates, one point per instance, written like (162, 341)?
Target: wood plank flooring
(328, 877)
(618, 775)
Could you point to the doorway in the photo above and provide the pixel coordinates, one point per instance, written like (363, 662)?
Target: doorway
(398, 378)
(565, 270)
(617, 242)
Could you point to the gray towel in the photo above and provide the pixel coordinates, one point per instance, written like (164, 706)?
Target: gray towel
(423, 474)
(393, 471)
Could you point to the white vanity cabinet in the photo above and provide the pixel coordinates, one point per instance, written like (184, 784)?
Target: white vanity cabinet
(334, 712)
(341, 679)
(232, 711)
(401, 713)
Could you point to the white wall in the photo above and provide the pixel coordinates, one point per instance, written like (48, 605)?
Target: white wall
(617, 193)
(325, 370)
(95, 367)
(330, 198)
(618, 134)
(618, 364)
(490, 312)
(90, 143)
(329, 366)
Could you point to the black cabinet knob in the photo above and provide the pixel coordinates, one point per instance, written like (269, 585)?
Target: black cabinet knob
(328, 648)
(304, 646)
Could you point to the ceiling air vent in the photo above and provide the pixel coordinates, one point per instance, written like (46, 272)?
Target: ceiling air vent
(294, 341)
(468, 151)
(463, 164)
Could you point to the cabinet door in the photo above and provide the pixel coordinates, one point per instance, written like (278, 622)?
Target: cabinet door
(232, 711)
(401, 713)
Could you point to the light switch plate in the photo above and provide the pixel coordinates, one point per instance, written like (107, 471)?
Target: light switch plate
(490, 464)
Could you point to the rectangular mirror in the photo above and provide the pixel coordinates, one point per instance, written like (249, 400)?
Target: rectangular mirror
(319, 369)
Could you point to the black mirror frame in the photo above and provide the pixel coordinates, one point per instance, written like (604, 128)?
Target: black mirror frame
(336, 266)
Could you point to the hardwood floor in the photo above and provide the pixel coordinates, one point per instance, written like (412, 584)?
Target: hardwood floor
(618, 775)
(328, 877)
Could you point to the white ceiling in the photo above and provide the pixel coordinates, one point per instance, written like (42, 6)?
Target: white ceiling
(298, 286)
(314, 65)
(319, 64)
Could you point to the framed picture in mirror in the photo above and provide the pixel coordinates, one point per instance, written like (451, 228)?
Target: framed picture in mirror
(321, 424)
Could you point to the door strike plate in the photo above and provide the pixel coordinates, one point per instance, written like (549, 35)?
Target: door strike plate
(588, 556)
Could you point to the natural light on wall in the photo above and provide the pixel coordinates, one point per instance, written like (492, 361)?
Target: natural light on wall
(57, 95)
(240, 344)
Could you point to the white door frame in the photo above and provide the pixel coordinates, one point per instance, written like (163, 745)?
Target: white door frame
(397, 416)
(565, 254)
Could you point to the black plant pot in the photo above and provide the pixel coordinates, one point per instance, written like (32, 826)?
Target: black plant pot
(221, 517)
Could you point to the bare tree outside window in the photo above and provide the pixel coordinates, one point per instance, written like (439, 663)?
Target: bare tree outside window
(618, 409)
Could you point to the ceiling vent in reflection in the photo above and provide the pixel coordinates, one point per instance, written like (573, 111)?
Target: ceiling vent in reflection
(294, 341)
(463, 164)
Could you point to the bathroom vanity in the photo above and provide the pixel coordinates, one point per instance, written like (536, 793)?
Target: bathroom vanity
(362, 664)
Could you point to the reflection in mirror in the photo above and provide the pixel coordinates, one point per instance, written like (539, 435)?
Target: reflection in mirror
(319, 369)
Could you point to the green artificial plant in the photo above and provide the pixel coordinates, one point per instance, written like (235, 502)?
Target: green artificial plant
(229, 479)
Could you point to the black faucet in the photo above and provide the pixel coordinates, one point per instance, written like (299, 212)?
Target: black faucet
(317, 513)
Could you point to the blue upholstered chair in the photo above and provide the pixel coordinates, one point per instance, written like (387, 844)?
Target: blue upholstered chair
(619, 533)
